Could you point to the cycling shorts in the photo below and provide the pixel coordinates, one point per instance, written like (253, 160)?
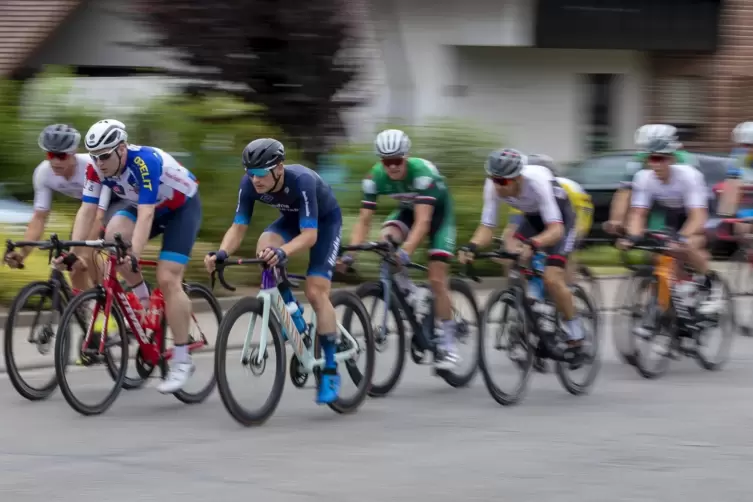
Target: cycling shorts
(533, 225)
(441, 231)
(179, 228)
(323, 256)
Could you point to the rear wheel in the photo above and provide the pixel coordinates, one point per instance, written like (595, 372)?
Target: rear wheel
(464, 334)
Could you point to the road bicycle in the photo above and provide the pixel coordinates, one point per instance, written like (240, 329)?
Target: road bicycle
(671, 312)
(534, 329)
(426, 335)
(110, 300)
(739, 271)
(278, 329)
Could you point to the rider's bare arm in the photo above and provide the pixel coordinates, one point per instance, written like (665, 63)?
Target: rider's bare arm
(695, 222)
(303, 241)
(233, 238)
(483, 236)
(35, 229)
(636, 223)
(422, 214)
(730, 198)
(620, 204)
(361, 228)
(552, 234)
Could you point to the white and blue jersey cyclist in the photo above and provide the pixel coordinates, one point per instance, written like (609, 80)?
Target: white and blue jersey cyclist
(310, 219)
(162, 198)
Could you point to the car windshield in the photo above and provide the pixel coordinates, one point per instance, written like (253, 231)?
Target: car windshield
(600, 170)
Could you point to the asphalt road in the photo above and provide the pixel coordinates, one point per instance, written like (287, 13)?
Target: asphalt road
(685, 437)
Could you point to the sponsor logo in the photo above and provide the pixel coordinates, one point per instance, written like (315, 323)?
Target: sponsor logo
(146, 181)
(306, 203)
(266, 198)
(118, 190)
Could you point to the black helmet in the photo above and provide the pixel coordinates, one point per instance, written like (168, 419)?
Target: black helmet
(264, 153)
(59, 138)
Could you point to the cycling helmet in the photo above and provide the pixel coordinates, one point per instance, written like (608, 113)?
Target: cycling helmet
(543, 160)
(105, 134)
(59, 138)
(505, 163)
(657, 138)
(264, 153)
(392, 143)
(743, 133)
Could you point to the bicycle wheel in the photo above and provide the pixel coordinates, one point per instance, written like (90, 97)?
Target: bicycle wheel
(665, 328)
(25, 388)
(375, 290)
(199, 291)
(459, 378)
(592, 344)
(509, 300)
(239, 413)
(144, 371)
(362, 379)
(628, 311)
(64, 344)
(726, 324)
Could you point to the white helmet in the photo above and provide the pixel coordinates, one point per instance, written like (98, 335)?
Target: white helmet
(657, 138)
(105, 134)
(743, 133)
(392, 143)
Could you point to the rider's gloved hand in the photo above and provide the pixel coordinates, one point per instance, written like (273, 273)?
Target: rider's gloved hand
(467, 253)
(274, 256)
(403, 256)
(14, 259)
(627, 242)
(214, 257)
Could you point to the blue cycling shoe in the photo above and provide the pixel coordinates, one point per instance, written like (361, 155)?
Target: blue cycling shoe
(329, 386)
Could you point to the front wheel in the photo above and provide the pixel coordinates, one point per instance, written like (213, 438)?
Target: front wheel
(725, 323)
(591, 346)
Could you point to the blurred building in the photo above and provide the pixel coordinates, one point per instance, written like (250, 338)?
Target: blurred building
(564, 77)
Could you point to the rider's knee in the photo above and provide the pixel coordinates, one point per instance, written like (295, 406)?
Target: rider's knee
(317, 292)
(395, 232)
(170, 278)
(554, 274)
(438, 275)
(269, 240)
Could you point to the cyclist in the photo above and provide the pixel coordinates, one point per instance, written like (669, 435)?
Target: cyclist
(164, 199)
(310, 219)
(621, 199)
(546, 221)
(682, 191)
(737, 187)
(64, 172)
(425, 210)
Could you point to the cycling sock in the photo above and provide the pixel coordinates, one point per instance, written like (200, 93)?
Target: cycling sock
(329, 347)
(448, 333)
(574, 329)
(180, 353)
(142, 293)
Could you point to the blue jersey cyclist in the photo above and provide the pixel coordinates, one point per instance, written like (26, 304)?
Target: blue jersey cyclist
(164, 199)
(310, 219)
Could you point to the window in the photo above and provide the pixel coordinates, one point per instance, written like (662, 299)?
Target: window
(682, 103)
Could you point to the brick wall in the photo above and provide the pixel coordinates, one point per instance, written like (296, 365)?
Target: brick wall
(727, 78)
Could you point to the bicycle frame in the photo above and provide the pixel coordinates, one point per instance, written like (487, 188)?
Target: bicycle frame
(272, 302)
(664, 273)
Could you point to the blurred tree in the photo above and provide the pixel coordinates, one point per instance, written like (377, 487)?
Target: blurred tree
(290, 56)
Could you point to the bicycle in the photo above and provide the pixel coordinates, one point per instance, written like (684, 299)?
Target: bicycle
(425, 340)
(672, 313)
(57, 289)
(537, 331)
(278, 324)
(110, 299)
(740, 268)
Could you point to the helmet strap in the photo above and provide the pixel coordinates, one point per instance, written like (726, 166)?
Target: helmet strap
(277, 180)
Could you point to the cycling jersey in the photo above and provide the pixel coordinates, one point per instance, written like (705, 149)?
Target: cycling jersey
(46, 181)
(741, 165)
(581, 202)
(150, 176)
(305, 201)
(686, 189)
(639, 162)
(423, 184)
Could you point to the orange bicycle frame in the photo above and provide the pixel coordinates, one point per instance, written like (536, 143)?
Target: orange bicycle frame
(664, 273)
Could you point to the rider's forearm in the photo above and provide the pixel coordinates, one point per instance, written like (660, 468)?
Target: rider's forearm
(619, 206)
(552, 234)
(730, 198)
(142, 229)
(304, 241)
(233, 238)
(417, 233)
(83, 224)
(636, 223)
(361, 228)
(35, 230)
(483, 236)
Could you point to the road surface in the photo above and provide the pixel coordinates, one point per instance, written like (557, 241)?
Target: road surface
(685, 437)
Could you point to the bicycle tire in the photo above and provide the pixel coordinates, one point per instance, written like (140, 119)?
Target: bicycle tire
(667, 323)
(62, 353)
(634, 282)
(376, 289)
(198, 397)
(563, 368)
(453, 378)
(245, 305)
(22, 387)
(361, 380)
(726, 346)
(131, 383)
(500, 396)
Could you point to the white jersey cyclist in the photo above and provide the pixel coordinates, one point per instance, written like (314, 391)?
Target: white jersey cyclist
(685, 189)
(150, 176)
(46, 182)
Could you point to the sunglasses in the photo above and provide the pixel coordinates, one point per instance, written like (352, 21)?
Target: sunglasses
(658, 158)
(259, 173)
(57, 155)
(501, 181)
(103, 156)
(392, 162)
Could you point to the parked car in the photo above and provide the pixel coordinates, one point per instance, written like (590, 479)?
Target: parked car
(601, 175)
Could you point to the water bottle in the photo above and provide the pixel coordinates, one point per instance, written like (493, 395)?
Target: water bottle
(296, 312)
(156, 307)
(536, 284)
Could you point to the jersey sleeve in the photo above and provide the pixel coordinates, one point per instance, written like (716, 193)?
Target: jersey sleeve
(149, 172)
(696, 193)
(104, 197)
(308, 212)
(490, 213)
(370, 189)
(428, 184)
(42, 193)
(92, 186)
(548, 207)
(642, 196)
(245, 207)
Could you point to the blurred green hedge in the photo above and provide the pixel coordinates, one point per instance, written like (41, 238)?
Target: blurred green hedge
(208, 134)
